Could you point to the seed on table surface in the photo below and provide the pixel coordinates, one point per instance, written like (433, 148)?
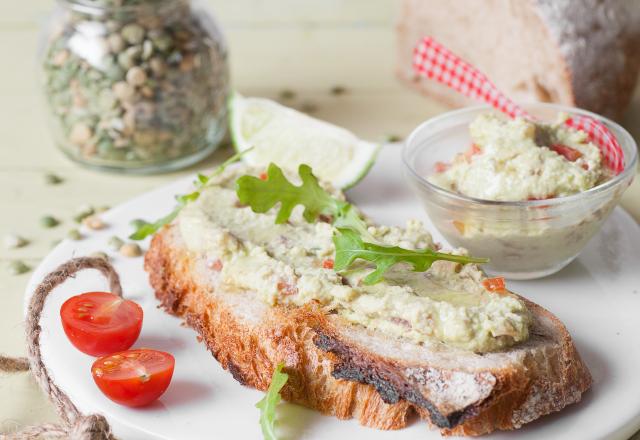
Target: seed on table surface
(393, 138)
(338, 90)
(158, 66)
(309, 107)
(83, 212)
(130, 250)
(93, 222)
(115, 243)
(52, 179)
(136, 76)
(80, 133)
(18, 267)
(13, 241)
(100, 254)
(287, 94)
(74, 234)
(133, 33)
(49, 221)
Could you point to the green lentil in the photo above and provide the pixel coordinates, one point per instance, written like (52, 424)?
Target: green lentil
(287, 95)
(115, 243)
(393, 138)
(52, 179)
(13, 241)
(49, 222)
(338, 90)
(18, 267)
(309, 107)
(100, 254)
(74, 234)
(82, 212)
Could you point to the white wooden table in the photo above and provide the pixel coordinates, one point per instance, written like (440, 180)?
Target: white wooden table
(307, 47)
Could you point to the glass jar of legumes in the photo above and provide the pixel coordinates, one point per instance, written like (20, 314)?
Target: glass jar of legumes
(135, 85)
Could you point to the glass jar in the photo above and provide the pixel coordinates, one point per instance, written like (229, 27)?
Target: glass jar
(135, 85)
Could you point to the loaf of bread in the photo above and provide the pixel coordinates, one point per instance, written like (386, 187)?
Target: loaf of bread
(584, 53)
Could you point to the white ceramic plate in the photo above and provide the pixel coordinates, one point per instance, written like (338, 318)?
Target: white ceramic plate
(597, 297)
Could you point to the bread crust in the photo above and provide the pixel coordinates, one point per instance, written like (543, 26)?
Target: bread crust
(333, 372)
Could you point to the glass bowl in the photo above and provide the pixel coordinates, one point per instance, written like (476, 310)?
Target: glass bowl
(522, 239)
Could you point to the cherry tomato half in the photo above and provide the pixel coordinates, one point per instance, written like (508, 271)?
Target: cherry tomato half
(100, 323)
(134, 377)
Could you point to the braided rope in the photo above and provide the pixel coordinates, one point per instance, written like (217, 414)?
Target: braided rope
(76, 426)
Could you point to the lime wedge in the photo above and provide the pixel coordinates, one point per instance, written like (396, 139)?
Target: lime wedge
(289, 138)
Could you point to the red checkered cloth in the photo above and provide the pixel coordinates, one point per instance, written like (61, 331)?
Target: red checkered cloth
(434, 61)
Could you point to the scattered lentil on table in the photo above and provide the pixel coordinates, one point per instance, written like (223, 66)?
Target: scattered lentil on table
(49, 221)
(82, 212)
(338, 90)
(94, 222)
(17, 267)
(115, 243)
(14, 241)
(74, 234)
(52, 179)
(130, 250)
(287, 95)
(100, 254)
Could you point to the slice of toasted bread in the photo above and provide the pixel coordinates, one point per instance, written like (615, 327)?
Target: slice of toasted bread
(349, 371)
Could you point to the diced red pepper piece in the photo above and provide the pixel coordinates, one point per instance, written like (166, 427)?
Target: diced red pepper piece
(494, 284)
(441, 167)
(328, 263)
(263, 176)
(216, 265)
(571, 154)
(286, 288)
(472, 151)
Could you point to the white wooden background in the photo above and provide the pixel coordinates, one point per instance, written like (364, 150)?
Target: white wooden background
(307, 46)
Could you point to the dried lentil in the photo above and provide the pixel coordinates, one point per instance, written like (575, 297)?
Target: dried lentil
(130, 250)
(93, 222)
(74, 234)
(52, 179)
(13, 241)
(115, 243)
(18, 267)
(49, 222)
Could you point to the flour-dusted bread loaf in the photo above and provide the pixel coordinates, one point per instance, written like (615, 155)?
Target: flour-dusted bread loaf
(584, 53)
(348, 371)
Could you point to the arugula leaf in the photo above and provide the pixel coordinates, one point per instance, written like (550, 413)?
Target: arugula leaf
(146, 229)
(262, 195)
(350, 246)
(269, 402)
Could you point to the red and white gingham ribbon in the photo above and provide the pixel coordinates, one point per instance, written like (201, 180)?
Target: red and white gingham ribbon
(434, 61)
